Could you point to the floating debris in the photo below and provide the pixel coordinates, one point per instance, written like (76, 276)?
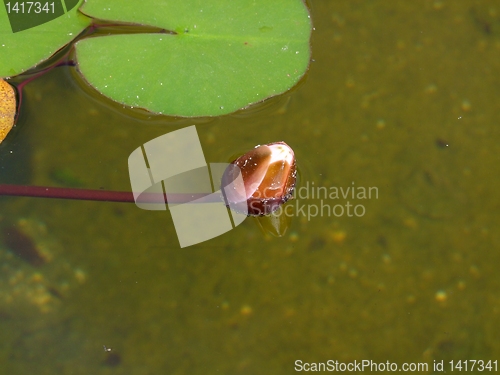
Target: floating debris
(441, 143)
(7, 108)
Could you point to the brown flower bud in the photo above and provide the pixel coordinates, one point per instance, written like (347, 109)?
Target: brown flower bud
(268, 175)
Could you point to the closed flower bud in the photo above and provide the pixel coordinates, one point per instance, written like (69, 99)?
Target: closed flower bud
(268, 175)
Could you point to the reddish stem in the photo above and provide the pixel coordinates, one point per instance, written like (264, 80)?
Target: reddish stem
(65, 62)
(19, 86)
(97, 195)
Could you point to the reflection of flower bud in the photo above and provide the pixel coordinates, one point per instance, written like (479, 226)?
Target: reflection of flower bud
(268, 173)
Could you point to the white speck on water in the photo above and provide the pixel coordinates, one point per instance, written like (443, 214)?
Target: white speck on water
(284, 48)
(137, 96)
(221, 107)
(70, 34)
(161, 83)
(296, 52)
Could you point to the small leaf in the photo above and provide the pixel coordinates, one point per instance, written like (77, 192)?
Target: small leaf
(224, 56)
(29, 39)
(7, 108)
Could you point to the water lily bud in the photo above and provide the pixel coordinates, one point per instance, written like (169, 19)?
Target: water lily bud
(7, 108)
(268, 178)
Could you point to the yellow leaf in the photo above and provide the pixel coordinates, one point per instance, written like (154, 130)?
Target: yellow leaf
(7, 108)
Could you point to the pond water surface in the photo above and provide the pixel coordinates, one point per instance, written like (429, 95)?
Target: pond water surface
(402, 97)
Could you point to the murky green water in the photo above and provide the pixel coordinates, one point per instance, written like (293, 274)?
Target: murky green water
(402, 96)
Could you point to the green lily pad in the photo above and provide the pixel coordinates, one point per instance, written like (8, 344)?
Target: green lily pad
(223, 56)
(26, 39)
